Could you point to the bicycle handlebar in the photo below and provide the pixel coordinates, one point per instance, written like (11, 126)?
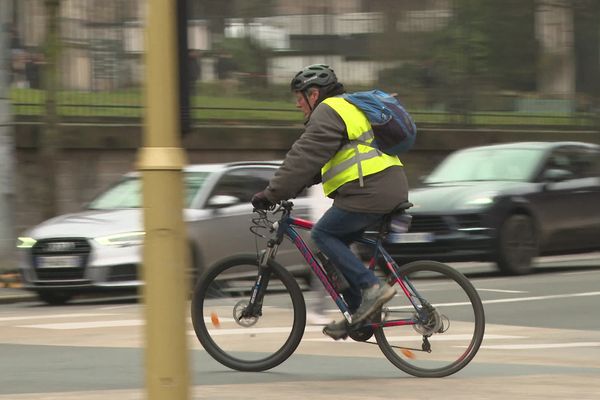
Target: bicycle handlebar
(262, 222)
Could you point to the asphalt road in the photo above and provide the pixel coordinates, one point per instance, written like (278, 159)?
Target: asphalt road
(542, 342)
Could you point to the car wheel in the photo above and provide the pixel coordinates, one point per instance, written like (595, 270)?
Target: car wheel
(54, 298)
(518, 245)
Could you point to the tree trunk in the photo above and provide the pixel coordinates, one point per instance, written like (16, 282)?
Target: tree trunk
(7, 150)
(555, 33)
(49, 146)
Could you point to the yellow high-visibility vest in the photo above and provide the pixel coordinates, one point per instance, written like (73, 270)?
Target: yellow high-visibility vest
(355, 159)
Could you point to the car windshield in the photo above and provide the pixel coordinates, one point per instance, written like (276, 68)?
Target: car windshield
(127, 193)
(487, 165)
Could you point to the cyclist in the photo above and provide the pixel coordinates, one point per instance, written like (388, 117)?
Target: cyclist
(362, 191)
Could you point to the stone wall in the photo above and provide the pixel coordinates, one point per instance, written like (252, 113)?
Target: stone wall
(93, 156)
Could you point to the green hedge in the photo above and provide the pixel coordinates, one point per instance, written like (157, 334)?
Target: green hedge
(232, 108)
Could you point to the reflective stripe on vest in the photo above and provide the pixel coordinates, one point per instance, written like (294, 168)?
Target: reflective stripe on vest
(355, 159)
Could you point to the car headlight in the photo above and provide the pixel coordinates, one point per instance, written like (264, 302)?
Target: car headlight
(122, 239)
(25, 242)
(480, 200)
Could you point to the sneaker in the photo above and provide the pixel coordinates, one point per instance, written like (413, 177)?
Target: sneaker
(314, 318)
(373, 298)
(337, 330)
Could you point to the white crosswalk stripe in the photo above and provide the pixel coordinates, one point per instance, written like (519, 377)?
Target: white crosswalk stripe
(55, 316)
(87, 325)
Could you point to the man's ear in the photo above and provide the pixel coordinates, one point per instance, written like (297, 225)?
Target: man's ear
(314, 96)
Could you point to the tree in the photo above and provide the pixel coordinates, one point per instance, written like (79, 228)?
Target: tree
(485, 46)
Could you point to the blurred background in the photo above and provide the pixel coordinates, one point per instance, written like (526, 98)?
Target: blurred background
(446, 58)
(469, 71)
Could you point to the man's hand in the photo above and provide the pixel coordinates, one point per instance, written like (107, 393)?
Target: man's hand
(260, 201)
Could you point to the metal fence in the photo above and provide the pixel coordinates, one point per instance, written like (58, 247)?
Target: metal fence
(511, 62)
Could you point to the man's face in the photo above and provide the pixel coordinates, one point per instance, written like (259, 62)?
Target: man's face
(301, 101)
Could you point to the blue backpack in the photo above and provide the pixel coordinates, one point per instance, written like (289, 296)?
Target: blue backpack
(393, 127)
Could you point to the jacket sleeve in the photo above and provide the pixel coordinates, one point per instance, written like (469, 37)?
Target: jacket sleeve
(323, 136)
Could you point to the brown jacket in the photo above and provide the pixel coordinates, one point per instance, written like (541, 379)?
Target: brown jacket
(324, 134)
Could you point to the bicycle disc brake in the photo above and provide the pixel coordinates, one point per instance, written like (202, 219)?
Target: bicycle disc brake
(241, 315)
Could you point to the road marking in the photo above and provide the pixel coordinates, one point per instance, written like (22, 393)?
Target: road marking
(579, 273)
(509, 300)
(117, 307)
(501, 291)
(570, 257)
(549, 297)
(252, 331)
(46, 316)
(541, 346)
(87, 325)
(435, 338)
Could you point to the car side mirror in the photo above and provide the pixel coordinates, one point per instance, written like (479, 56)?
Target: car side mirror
(556, 175)
(222, 201)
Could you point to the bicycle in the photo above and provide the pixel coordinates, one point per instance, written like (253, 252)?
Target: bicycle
(249, 313)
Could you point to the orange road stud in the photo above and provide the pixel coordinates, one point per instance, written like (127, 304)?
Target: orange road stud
(214, 318)
(408, 354)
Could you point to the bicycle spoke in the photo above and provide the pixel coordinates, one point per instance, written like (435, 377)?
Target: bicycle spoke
(448, 328)
(241, 337)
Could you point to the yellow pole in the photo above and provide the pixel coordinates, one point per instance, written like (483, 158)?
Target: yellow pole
(161, 161)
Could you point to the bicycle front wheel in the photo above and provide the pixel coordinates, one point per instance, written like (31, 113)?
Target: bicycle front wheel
(232, 337)
(446, 328)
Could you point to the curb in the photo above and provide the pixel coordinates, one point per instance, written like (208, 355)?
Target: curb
(17, 298)
(11, 289)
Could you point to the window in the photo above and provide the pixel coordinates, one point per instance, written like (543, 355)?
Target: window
(487, 165)
(125, 194)
(582, 162)
(243, 183)
(586, 163)
(128, 192)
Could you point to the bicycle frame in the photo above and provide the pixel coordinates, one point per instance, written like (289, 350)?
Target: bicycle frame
(286, 226)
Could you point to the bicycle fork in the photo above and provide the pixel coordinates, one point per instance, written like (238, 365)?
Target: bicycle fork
(253, 309)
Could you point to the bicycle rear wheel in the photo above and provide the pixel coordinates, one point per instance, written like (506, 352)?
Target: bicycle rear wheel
(450, 323)
(247, 343)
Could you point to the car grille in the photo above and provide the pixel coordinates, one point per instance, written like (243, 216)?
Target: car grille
(61, 247)
(124, 272)
(469, 221)
(428, 223)
(60, 274)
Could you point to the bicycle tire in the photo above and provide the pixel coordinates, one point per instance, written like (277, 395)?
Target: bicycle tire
(460, 341)
(216, 290)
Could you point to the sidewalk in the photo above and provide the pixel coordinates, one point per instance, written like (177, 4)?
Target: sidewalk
(10, 289)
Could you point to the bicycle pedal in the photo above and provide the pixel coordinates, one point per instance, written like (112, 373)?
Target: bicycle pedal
(336, 332)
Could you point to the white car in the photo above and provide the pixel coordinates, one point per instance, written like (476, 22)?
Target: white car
(99, 248)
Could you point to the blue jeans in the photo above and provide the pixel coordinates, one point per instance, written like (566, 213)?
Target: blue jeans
(333, 234)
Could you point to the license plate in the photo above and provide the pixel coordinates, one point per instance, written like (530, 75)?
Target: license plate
(58, 262)
(412, 237)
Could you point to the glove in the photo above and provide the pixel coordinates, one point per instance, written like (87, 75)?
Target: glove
(260, 201)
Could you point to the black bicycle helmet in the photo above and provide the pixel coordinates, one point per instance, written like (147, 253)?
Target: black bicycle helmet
(313, 75)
